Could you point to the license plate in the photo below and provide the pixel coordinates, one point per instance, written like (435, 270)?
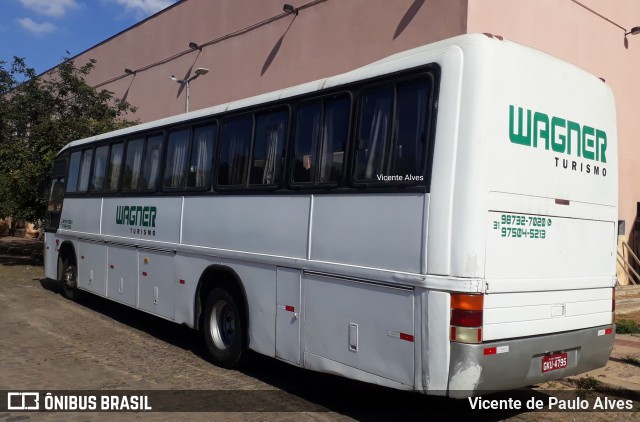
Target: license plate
(554, 362)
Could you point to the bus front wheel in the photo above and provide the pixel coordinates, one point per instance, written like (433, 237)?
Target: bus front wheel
(224, 329)
(69, 280)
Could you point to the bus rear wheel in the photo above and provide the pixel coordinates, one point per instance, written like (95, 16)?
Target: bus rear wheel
(69, 280)
(224, 329)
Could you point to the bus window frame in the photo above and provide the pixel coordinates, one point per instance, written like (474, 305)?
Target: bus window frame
(315, 184)
(165, 155)
(214, 156)
(77, 192)
(285, 184)
(247, 187)
(116, 191)
(432, 81)
(158, 185)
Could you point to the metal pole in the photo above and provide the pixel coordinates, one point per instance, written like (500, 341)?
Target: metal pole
(187, 106)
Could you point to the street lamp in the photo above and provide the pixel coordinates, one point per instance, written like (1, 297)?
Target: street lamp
(634, 31)
(199, 71)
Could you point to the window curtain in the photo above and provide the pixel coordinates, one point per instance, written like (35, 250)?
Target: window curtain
(178, 165)
(155, 166)
(84, 171)
(311, 129)
(421, 112)
(234, 163)
(275, 138)
(137, 164)
(99, 168)
(116, 163)
(204, 156)
(326, 153)
(378, 132)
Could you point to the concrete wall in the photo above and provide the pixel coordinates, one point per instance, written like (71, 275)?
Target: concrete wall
(567, 29)
(252, 47)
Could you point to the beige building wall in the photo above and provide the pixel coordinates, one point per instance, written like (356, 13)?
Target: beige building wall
(567, 29)
(252, 47)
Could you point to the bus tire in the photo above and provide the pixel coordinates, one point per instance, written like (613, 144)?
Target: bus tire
(225, 329)
(69, 280)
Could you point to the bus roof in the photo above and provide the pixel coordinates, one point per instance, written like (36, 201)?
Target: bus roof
(400, 61)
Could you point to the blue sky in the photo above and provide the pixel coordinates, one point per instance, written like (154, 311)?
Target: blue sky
(42, 31)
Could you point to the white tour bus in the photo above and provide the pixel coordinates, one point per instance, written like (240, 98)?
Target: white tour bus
(442, 220)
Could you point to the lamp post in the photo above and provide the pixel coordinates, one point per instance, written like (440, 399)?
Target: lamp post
(634, 31)
(199, 71)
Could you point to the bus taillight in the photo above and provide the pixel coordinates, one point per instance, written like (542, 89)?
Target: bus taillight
(466, 318)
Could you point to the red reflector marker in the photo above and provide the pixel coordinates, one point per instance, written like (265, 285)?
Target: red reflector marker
(490, 351)
(608, 331)
(407, 337)
(289, 308)
(182, 281)
(144, 273)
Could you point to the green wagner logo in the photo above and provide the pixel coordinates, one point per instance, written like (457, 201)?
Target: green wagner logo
(539, 130)
(136, 216)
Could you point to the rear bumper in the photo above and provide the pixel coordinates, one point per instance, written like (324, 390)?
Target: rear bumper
(518, 362)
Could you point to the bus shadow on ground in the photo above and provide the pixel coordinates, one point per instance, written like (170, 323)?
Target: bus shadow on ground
(309, 391)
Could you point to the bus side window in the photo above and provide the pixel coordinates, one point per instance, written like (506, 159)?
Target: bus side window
(85, 170)
(335, 134)
(235, 142)
(409, 149)
(199, 175)
(322, 131)
(151, 166)
(133, 165)
(177, 152)
(267, 158)
(306, 143)
(115, 164)
(99, 168)
(74, 168)
(374, 133)
(392, 133)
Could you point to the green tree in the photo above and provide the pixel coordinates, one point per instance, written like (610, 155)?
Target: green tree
(38, 116)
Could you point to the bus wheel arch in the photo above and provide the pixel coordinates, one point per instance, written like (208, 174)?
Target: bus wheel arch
(221, 295)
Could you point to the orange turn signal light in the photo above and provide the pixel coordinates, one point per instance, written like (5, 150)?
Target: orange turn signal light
(467, 302)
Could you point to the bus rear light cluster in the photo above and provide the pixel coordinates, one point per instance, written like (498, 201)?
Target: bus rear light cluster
(466, 318)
